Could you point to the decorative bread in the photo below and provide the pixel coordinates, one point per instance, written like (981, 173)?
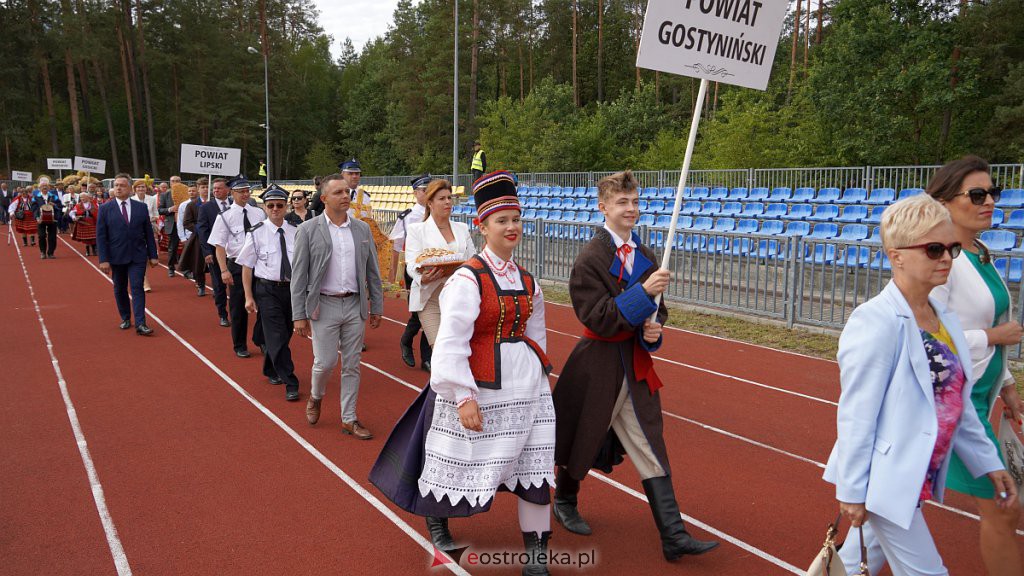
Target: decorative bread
(438, 257)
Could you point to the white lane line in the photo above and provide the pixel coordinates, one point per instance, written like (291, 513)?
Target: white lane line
(113, 541)
(724, 339)
(427, 545)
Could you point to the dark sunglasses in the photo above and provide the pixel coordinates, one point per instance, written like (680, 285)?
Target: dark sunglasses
(934, 250)
(297, 198)
(274, 205)
(977, 195)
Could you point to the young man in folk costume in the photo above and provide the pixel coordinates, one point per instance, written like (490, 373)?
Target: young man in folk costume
(84, 215)
(486, 422)
(606, 399)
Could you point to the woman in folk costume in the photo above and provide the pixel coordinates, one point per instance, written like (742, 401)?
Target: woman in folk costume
(84, 215)
(607, 397)
(486, 422)
(360, 207)
(26, 224)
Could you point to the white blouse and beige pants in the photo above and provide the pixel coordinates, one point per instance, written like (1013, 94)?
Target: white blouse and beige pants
(424, 298)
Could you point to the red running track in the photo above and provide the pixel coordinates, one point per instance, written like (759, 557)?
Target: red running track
(204, 468)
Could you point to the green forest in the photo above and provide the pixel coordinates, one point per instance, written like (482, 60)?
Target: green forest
(545, 85)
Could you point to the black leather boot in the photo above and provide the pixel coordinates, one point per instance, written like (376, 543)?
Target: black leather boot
(566, 511)
(439, 533)
(537, 548)
(675, 540)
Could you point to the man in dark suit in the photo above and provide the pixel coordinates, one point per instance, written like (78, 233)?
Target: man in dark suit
(124, 238)
(168, 209)
(208, 214)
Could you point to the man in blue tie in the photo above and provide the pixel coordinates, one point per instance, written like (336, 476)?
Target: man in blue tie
(125, 241)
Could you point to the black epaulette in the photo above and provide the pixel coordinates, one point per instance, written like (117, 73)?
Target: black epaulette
(404, 213)
(255, 226)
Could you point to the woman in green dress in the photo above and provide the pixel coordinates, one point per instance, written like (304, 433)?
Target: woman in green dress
(979, 297)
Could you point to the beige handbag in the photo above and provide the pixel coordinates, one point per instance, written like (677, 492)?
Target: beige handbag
(1013, 453)
(827, 562)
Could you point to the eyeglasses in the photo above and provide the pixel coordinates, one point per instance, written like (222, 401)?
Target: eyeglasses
(275, 206)
(934, 250)
(977, 195)
(298, 198)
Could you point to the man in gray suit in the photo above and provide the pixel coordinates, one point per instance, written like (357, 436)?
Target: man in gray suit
(169, 211)
(335, 286)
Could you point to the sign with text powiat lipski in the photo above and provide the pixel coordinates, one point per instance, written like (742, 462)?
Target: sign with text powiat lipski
(728, 41)
(210, 160)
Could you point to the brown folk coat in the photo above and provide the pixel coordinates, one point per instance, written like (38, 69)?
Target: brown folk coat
(586, 391)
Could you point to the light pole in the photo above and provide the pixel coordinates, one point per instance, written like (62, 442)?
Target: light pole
(455, 109)
(266, 99)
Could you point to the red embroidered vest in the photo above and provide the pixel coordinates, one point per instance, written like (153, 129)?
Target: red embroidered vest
(503, 317)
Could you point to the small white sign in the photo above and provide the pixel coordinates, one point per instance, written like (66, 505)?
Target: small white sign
(90, 165)
(58, 163)
(21, 176)
(197, 159)
(728, 41)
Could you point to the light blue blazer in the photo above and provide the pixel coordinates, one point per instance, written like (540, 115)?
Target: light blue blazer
(886, 421)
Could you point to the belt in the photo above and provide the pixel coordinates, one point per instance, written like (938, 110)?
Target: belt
(342, 295)
(271, 282)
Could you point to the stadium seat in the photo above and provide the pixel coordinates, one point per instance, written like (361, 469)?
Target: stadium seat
(852, 214)
(824, 213)
(797, 228)
(1016, 270)
(853, 196)
(998, 216)
(642, 206)
(781, 194)
(592, 203)
(999, 239)
(690, 207)
(702, 223)
(711, 209)
(738, 193)
(880, 261)
(724, 225)
(1011, 198)
(570, 216)
(826, 196)
(646, 220)
(856, 256)
(1000, 266)
(732, 209)
(876, 215)
(908, 192)
(657, 206)
(555, 215)
(775, 211)
(701, 192)
(822, 254)
(664, 221)
(768, 248)
(882, 196)
(824, 231)
(803, 195)
(876, 235)
(667, 193)
(799, 212)
(854, 233)
(684, 222)
(718, 194)
(742, 246)
(717, 244)
(529, 214)
(1015, 221)
(758, 195)
(544, 203)
(753, 209)
(747, 226)
(542, 214)
(773, 227)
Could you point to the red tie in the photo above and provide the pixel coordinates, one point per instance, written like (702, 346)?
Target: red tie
(124, 211)
(623, 255)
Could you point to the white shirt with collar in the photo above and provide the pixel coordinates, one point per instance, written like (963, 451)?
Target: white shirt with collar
(179, 221)
(628, 264)
(401, 228)
(127, 204)
(229, 230)
(261, 250)
(151, 206)
(340, 276)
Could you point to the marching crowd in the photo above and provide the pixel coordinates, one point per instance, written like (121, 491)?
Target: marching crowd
(921, 364)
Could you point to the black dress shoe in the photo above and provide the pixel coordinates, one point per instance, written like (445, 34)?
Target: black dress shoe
(292, 396)
(201, 291)
(143, 330)
(440, 535)
(407, 356)
(125, 324)
(225, 322)
(243, 353)
(276, 381)
(170, 272)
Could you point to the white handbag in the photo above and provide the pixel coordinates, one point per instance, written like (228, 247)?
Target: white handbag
(1013, 453)
(828, 563)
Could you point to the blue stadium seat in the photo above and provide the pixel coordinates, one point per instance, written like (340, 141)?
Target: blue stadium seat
(580, 203)
(664, 222)
(797, 228)
(690, 207)
(1016, 270)
(853, 196)
(876, 235)
(856, 256)
(753, 209)
(742, 246)
(876, 215)
(583, 216)
(649, 193)
(702, 223)
(826, 196)
(642, 205)
(824, 213)
(711, 208)
(657, 206)
(555, 215)
(667, 193)
(758, 195)
(822, 254)
(529, 214)
(854, 233)
(738, 193)
(768, 248)
(570, 216)
(773, 227)
(544, 203)
(998, 216)
(542, 214)
(799, 212)
(1011, 198)
(646, 220)
(717, 244)
(882, 196)
(880, 261)
(543, 190)
(908, 192)
(691, 242)
(724, 225)
(1015, 221)
(530, 202)
(999, 239)
(555, 191)
(747, 226)
(824, 231)
(852, 214)
(803, 195)
(592, 203)
(775, 211)
(596, 218)
(781, 194)
(701, 192)
(1000, 266)
(684, 222)
(732, 209)
(718, 194)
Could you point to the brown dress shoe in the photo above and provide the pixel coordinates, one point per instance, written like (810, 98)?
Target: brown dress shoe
(313, 410)
(356, 429)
